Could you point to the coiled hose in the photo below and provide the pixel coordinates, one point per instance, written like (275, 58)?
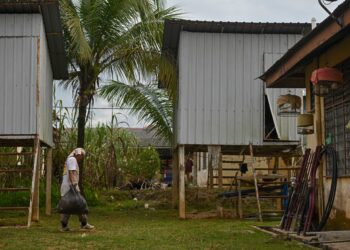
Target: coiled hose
(329, 150)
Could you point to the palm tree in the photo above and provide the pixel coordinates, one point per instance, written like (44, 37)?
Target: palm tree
(120, 39)
(147, 102)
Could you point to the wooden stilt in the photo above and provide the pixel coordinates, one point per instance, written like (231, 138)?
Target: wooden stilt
(195, 168)
(240, 210)
(255, 182)
(48, 181)
(33, 211)
(214, 162)
(182, 211)
(175, 179)
(220, 170)
(210, 169)
(36, 201)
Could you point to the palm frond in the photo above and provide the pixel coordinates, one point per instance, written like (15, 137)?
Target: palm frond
(147, 102)
(79, 48)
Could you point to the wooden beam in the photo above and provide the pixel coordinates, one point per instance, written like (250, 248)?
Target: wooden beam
(182, 202)
(48, 181)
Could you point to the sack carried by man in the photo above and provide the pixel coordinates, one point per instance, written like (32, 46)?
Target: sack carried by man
(72, 203)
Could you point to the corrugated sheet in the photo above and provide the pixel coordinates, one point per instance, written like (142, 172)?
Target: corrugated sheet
(19, 38)
(52, 21)
(18, 85)
(286, 126)
(220, 98)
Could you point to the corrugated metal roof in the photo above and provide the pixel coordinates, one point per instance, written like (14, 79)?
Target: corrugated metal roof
(173, 27)
(147, 138)
(53, 29)
(338, 12)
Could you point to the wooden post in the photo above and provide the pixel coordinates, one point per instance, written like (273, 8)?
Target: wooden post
(195, 168)
(182, 210)
(220, 170)
(214, 159)
(210, 168)
(33, 214)
(175, 178)
(240, 211)
(36, 199)
(319, 140)
(48, 181)
(255, 181)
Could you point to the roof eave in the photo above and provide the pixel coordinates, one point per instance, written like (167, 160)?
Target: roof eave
(302, 53)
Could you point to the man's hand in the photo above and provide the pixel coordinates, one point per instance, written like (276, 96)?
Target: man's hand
(76, 187)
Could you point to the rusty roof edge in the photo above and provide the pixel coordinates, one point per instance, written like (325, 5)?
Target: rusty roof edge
(338, 12)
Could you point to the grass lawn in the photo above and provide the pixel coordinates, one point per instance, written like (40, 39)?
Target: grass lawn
(128, 225)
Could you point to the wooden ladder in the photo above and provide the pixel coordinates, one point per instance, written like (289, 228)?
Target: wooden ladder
(8, 170)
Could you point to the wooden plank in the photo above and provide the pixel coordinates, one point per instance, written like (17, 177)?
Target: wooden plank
(182, 204)
(13, 208)
(14, 166)
(14, 153)
(273, 169)
(224, 177)
(234, 162)
(273, 196)
(225, 184)
(16, 170)
(14, 189)
(48, 181)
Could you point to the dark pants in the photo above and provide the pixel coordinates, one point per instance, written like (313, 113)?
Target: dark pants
(65, 219)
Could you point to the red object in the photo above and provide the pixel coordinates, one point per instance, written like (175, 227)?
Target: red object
(326, 76)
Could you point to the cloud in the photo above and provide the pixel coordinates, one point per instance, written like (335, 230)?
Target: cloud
(252, 10)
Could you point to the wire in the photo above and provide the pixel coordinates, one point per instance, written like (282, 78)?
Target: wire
(108, 108)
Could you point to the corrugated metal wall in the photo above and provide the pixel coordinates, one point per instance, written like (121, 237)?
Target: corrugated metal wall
(19, 37)
(286, 126)
(220, 100)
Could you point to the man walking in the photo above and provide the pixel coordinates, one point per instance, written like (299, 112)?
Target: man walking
(71, 178)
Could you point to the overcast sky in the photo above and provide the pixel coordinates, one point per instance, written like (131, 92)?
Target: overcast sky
(224, 10)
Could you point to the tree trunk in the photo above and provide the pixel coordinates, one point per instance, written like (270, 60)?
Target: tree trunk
(83, 103)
